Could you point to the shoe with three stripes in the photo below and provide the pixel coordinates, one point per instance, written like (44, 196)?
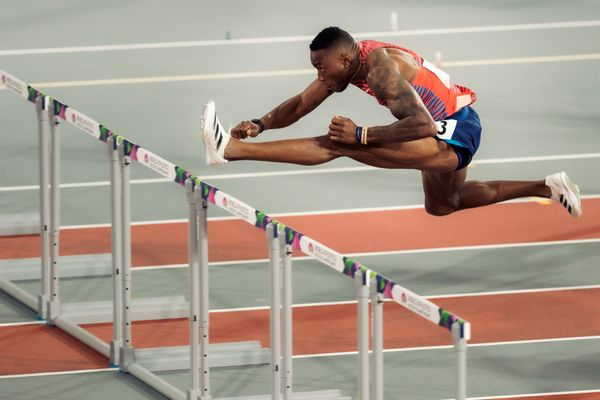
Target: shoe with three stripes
(565, 192)
(214, 136)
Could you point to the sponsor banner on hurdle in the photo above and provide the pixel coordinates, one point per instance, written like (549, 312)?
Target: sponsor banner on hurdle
(322, 253)
(236, 207)
(155, 163)
(14, 84)
(82, 122)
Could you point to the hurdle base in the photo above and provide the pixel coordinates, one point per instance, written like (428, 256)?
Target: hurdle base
(19, 294)
(156, 382)
(86, 265)
(54, 309)
(20, 224)
(221, 355)
(144, 309)
(320, 395)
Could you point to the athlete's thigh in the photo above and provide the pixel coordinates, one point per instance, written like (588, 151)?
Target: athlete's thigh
(442, 188)
(427, 153)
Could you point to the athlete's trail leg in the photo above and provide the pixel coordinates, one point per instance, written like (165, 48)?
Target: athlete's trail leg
(447, 192)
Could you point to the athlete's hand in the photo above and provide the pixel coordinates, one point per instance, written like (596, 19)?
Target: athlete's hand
(245, 129)
(342, 129)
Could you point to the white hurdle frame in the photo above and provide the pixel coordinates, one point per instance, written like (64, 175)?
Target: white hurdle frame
(116, 246)
(54, 309)
(287, 322)
(275, 310)
(377, 342)
(126, 354)
(198, 295)
(44, 169)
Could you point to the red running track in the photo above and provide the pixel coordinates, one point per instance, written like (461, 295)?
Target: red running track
(324, 329)
(229, 240)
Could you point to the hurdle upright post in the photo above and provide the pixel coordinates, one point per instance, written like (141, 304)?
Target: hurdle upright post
(194, 293)
(286, 294)
(54, 301)
(126, 354)
(117, 255)
(460, 349)
(275, 311)
(377, 349)
(362, 288)
(44, 168)
(202, 217)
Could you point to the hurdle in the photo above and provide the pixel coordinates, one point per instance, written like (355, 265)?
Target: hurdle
(282, 240)
(49, 113)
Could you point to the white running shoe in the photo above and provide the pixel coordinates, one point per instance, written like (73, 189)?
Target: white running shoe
(214, 136)
(565, 192)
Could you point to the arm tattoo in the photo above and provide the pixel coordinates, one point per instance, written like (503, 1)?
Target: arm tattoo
(404, 103)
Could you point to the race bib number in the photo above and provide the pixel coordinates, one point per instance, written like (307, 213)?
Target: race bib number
(445, 128)
(443, 76)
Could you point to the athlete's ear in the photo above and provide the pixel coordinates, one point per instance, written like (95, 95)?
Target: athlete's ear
(346, 59)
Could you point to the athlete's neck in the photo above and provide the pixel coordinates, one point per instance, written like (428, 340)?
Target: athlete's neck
(358, 75)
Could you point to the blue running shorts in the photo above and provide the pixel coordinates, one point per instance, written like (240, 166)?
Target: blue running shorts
(462, 131)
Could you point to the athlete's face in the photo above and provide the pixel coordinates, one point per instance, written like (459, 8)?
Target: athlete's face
(333, 67)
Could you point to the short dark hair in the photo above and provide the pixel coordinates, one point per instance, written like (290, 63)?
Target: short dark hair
(331, 37)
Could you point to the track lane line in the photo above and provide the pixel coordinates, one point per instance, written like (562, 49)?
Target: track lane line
(301, 38)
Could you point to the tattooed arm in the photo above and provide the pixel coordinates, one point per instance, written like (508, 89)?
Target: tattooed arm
(414, 121)
(386, 80)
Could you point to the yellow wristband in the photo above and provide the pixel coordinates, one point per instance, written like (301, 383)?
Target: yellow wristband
(364, 135)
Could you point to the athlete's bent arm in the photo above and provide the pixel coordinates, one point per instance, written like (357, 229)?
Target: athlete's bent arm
(414, 121)
(287, 112)
(386, 80)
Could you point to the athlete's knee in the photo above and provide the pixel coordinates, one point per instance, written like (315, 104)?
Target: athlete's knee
(439, 210)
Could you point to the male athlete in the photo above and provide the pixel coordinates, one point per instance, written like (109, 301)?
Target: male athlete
(437, 131)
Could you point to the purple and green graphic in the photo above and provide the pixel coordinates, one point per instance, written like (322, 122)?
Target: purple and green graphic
(33, 94)
(447, 319)
(262, 220)
(105, 133)
(181, 175)
(60, 109)
(208, 192)
(384, 286)
(292, 238)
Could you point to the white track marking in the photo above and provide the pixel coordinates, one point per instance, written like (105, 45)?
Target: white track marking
(546, 394)
(386, 253)
(307, 171)
(448, 347)
(435, 297)
(301, 38)
(58, 373)
(24, 323)
(297, 72)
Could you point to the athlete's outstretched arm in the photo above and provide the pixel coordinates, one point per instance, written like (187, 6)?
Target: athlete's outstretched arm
(287, 112)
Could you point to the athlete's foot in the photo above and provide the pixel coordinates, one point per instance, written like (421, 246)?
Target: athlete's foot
(214, 136)
(565, 192)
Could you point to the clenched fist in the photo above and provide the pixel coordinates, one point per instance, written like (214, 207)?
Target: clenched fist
(342, 129)
(245, 129)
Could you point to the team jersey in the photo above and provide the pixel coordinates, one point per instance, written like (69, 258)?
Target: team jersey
(441, 97)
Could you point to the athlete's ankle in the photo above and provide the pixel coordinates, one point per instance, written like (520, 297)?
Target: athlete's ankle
(230, 150)
(544, 190)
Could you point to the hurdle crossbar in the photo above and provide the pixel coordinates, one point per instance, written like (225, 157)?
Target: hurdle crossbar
(384, 287)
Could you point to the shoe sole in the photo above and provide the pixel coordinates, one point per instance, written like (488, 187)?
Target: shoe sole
(572, 193)
(208, 118)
